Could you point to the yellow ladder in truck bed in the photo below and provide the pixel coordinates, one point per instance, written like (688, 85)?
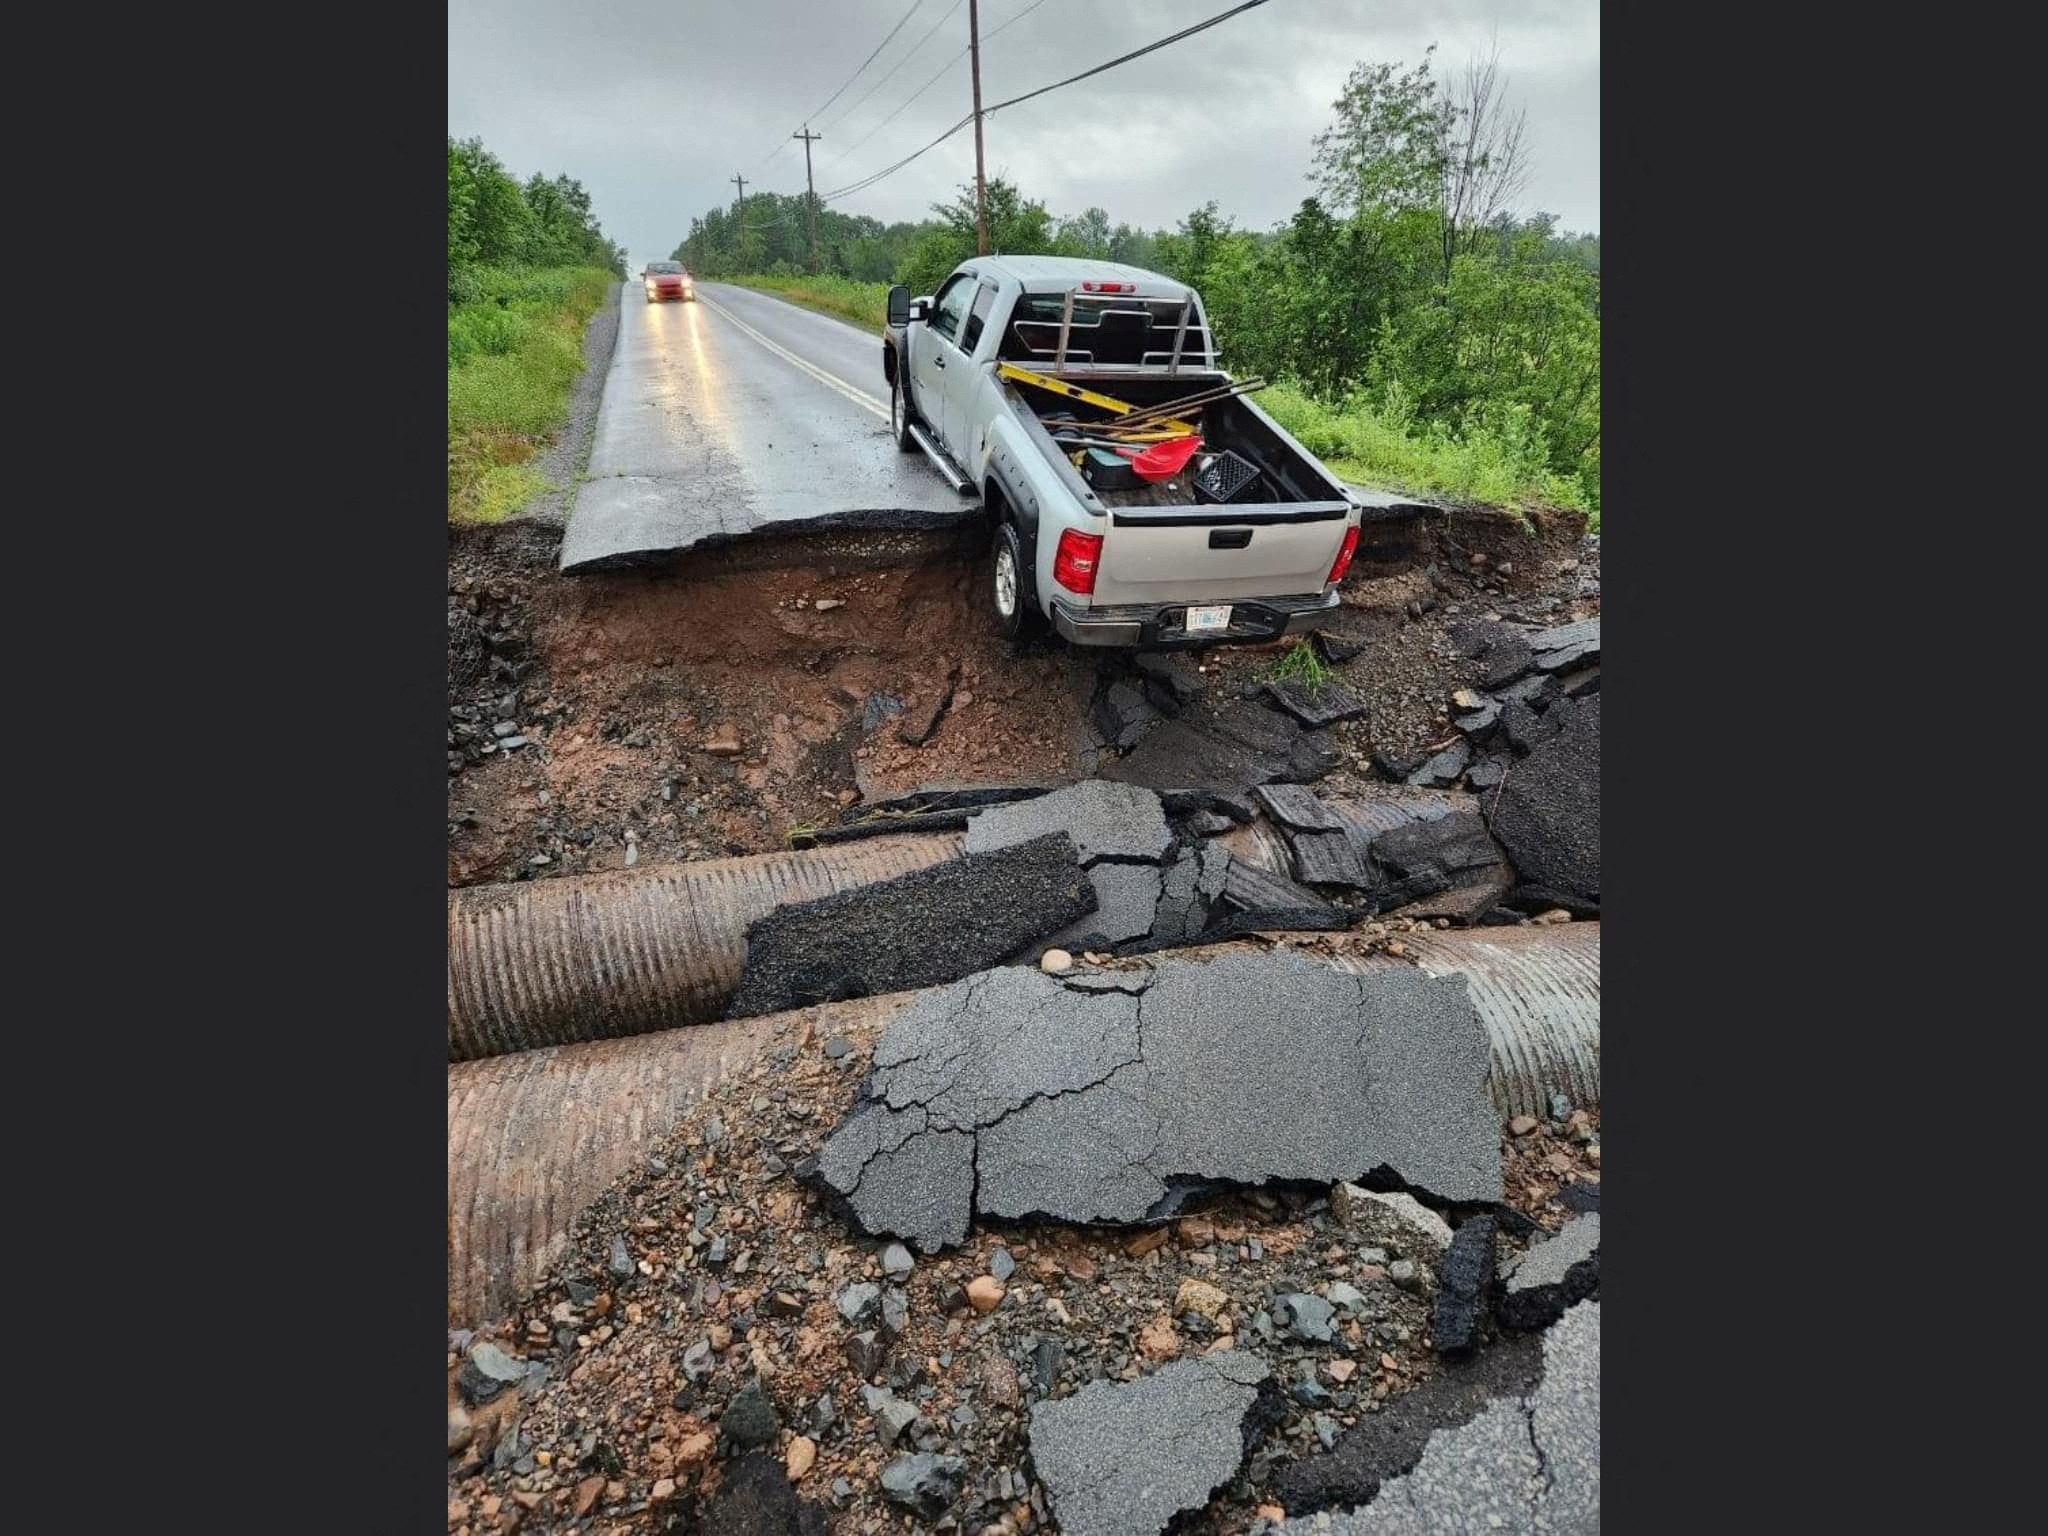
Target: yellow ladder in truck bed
(1061, 387)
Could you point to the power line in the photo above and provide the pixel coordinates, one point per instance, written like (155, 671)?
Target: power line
(864, 63)
(1135, 53)
(783, 144)
(847, 112)
(1201, 26)
(1034, 5)
(935, 79)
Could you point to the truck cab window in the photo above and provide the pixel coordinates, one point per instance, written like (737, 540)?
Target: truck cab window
(952, 305)
(984, 301)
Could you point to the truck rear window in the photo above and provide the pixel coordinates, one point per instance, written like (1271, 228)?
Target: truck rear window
(1106, 330)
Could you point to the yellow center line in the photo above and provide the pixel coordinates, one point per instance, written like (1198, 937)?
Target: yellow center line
(858, 397)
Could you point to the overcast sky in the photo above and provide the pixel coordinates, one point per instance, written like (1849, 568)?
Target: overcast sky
(654, 104)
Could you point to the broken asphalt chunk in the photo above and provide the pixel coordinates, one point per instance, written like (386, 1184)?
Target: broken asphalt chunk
(1553, 1275)
(931, 925)
(1296, 807)
(1124, 1459)
(1522, 1464)
(1105, 820)
(1316, 707)
(1388, 1443)
(1328, 858)
(1011, 1095)
(1125, 898)
(1449, 867)
(1461, 1300)
(1547, 814)
(1444, 769)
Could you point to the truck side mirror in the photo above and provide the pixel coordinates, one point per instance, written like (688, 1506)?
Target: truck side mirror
(899, 304)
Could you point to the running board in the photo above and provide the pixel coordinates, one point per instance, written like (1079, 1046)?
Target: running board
(940, 462)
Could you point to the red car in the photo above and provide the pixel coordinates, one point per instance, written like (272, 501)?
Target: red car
(668, 280)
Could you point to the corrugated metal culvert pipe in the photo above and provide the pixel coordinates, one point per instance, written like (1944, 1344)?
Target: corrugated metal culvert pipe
(591, 957)
(595, 957)
(1537, 990)
(534, 1137)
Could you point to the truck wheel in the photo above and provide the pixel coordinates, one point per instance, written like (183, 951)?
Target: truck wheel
(899, 414)
(1011, 598)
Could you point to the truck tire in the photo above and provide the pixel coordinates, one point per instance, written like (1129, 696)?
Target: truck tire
(1011, 598)
(900, 410)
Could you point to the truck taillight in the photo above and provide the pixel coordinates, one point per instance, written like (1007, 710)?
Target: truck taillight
(1344, 557)
(1073, 563)
(1093, 286)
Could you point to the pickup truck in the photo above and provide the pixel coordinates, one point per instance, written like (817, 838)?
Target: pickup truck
(1000, 379)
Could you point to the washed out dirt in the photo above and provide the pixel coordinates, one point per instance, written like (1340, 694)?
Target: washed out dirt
(715, 708)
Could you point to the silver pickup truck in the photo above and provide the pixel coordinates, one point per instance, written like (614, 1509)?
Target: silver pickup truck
(1015, 380)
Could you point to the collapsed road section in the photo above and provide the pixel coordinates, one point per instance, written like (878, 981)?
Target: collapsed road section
(592, 957)
(709, 1322)
(710, 431)
(533, 1136)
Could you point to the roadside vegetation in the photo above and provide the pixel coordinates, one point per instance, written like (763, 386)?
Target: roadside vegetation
(527, 268)
(1429, 337)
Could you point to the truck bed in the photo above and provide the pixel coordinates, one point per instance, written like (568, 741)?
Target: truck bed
(1287, 476)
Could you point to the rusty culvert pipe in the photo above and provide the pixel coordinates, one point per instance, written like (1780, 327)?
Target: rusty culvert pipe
(593, 957)
(535, 1137)
(1537, 990)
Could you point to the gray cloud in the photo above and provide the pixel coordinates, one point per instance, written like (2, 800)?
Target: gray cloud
(653, 106)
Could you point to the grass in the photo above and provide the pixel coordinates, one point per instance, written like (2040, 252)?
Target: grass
(1498, 459)
(515, 347)
(1301, 665)
(864, 304)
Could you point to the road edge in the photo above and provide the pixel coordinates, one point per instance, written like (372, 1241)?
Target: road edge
(562, 464)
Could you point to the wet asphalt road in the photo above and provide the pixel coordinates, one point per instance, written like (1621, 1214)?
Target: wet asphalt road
(735, 412)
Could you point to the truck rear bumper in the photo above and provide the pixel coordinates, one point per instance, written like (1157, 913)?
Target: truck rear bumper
(1163, 628)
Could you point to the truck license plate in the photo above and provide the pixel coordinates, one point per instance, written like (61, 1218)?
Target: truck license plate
(1209, 618)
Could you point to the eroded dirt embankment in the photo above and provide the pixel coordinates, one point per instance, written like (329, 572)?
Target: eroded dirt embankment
(634, 717)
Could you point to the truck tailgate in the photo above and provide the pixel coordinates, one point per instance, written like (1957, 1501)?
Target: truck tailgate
(1181, 554)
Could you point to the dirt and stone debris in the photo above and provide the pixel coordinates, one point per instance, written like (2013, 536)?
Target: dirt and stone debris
(625, 1379)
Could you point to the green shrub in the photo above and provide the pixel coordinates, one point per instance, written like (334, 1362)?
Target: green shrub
(862, 303)
(514, 351)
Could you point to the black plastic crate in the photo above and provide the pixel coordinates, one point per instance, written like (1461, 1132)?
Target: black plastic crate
(1227, 477)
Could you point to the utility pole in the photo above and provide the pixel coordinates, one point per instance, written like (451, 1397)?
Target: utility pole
(739, 234)
(810, 190)
(974, 65)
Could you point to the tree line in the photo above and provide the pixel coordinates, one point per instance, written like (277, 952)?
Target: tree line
(497, 221)
(1407, 281)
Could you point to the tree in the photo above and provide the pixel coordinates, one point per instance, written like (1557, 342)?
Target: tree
(1087, 234)
(1385, 149)
(1017, 226)
(1187, 253)
(1479, 153)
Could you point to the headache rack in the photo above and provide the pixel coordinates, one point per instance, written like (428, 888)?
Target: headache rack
(1074, 341)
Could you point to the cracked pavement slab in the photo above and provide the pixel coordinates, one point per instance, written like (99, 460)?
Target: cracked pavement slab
(1553, 1275)
(1105, 820)
(932, 925)
(1124, 1459)
(1013, 1094)
(1523, 1464)
(1126, 896)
